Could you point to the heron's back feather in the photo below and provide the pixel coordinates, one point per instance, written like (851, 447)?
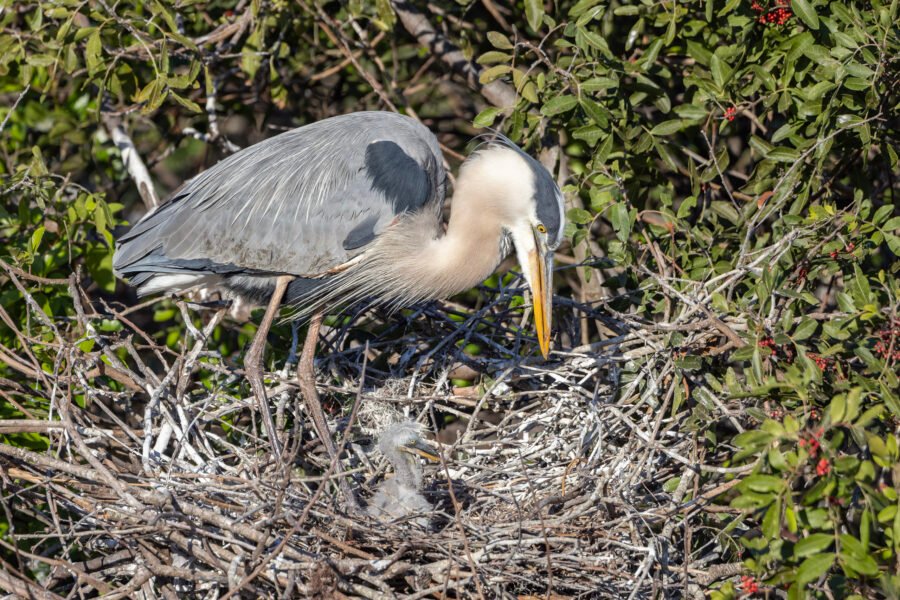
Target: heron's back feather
(301, 203)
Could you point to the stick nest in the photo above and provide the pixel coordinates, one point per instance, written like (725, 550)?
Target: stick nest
(581, 476)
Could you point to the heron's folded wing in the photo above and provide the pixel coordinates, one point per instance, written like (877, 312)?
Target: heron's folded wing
(299, 203)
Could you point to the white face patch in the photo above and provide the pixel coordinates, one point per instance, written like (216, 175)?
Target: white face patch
(527, 191)
(506, 173)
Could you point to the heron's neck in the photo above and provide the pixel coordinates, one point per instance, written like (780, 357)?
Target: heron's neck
(470, 250)
(416, 260)
(407, 470)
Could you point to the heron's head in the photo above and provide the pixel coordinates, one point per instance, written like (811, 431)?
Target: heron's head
(404, 441)
(530, 206)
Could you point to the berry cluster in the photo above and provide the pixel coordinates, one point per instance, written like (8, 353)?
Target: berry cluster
(883, 345)
(784, 351)
(847, 249)
(820, 361)
(730, 113)
(811, 442)
(768, 15)
(749, 585)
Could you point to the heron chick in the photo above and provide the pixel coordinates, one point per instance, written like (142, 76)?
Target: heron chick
(401, 496)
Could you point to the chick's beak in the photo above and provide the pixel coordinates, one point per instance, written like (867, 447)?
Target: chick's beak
(540, 265)
(420, 448)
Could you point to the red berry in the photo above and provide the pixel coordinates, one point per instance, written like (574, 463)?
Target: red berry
(749, 585)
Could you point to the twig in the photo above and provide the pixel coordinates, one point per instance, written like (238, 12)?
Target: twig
(15, 105)
(133, 163)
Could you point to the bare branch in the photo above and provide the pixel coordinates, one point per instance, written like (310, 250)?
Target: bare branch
(133, 163)
(498, 93)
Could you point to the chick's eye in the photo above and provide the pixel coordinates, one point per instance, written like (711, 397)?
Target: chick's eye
(541, 228)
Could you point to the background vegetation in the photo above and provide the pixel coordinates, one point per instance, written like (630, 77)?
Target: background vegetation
(731, 167)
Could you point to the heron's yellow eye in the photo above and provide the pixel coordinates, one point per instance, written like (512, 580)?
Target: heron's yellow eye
(541, 228)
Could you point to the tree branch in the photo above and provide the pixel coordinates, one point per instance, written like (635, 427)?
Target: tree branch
(133, 163)
(498, 93)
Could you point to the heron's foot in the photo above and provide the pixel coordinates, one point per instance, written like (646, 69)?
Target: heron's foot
(292, 360)
(287, 370)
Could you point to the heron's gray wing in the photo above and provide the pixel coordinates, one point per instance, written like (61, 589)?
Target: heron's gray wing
(300, 203)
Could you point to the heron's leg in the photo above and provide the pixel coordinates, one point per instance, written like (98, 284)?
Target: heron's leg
(306, 376)
(254, 358)
(292, 355)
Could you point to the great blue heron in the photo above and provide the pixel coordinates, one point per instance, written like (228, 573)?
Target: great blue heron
(401, 495)
(345, 210)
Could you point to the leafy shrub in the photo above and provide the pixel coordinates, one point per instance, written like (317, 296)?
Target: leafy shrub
(740, 159)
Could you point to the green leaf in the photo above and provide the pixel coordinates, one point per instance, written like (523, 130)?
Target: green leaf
(598, 114)
(621, 220)
(814, 567)
(763, 483)
(726, 210)
(579, 216)
(882, 213)
(529, 92)
(691, 112)
(783, 155)
(92, 52)
(559, 105)
(668, 127)
(589, 133)
(595, 40)
(493, 57)
(185, 102)
(495, 72)
(865, 564)
(486, 117)
(837, 408)
(813, 544)
(534, 13)
(604, 150)
(597, 84)
(499, 41)
(99, 264)
(805, 329)
(771, 523)
(684, 209)
(806, 13)
(719, 70)
(40, 60)
(36, 238)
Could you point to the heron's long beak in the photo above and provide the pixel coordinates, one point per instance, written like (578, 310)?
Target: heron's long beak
(540, 265)
(420, 448)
